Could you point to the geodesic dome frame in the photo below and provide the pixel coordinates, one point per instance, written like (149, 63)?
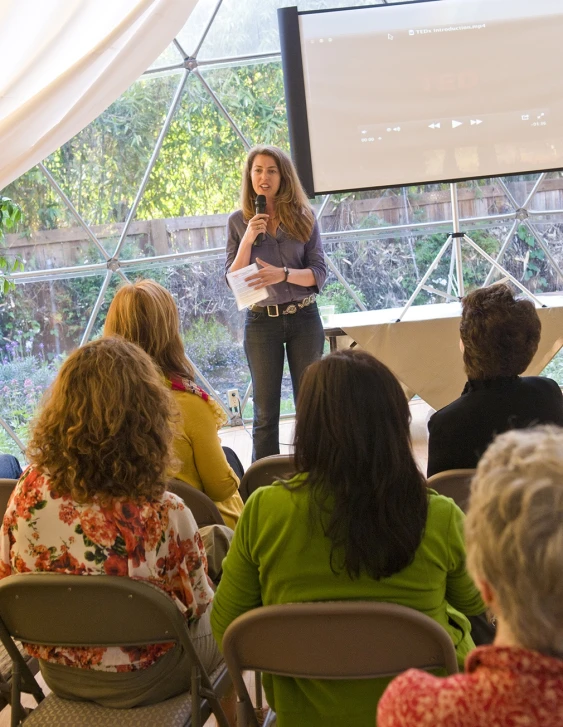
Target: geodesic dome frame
(190, 62)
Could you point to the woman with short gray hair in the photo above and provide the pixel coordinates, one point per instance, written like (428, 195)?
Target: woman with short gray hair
(514, 541)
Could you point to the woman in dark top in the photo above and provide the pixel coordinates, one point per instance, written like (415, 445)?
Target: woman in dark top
(499, 336)
(293, 268)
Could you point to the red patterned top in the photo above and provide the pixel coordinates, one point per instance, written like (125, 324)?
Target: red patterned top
(502, 687)
(156, 540)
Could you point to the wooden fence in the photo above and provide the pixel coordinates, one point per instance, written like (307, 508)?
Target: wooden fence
(71, 246)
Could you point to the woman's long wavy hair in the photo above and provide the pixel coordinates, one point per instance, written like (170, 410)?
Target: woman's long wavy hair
(103, 430)
(145, 313)
(292, 205)
(352, 438)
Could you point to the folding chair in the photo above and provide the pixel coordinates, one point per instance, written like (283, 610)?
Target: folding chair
(203, 508)
(453, 483)
(6, 489)
(265, 471)
(62, 610)
(332, 640)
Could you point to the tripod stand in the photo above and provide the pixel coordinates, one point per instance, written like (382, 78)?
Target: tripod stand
(454, 241)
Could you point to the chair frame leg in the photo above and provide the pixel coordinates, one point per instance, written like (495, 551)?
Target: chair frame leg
(198, 692)
(196, 700)
(16, 715)
(258, 689)
(242, 714)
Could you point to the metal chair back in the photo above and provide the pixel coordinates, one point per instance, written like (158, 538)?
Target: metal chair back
(6, 489)
(332, 640)
(453, 483)
(265, 471)
(202, 507)
(98, 611)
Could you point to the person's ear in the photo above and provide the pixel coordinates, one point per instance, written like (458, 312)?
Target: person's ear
(461, 346)
(488, 594)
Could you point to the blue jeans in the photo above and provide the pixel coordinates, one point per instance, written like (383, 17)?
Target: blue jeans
(264, 339)
(9, 467)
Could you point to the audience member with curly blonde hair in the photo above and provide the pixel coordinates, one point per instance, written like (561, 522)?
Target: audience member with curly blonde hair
(88, 437)
(145, 313)
(93, 502)
(514, 540)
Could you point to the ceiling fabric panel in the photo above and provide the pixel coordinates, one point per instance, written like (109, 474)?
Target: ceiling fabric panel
(65, 61)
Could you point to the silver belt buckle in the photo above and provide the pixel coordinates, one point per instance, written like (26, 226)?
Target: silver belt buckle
(277, 311)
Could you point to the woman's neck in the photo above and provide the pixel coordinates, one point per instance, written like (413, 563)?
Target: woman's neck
(504, 635)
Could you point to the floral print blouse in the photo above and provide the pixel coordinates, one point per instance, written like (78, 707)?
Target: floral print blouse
(156, 541)
(503, 686)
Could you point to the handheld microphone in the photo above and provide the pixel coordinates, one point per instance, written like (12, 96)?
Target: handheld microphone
(260, 208)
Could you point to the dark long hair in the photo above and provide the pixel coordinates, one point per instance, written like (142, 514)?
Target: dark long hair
(352, 438)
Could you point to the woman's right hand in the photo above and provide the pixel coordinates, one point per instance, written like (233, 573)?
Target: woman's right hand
(258, 224)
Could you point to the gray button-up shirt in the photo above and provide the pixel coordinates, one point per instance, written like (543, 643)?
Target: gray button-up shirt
(279, 251)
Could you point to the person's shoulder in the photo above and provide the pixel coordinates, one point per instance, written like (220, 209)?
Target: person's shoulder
(279, 495)
(416, 698)
(409, 700)
(188, 395)
(236, 218)
(172, 509)
(30, 493)
(444, 521)
(440, 507)
(450, 410)
(540, 383)
(171, 500)
(189, 400)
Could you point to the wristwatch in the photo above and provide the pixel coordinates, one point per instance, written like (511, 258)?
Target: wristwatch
(286, 271)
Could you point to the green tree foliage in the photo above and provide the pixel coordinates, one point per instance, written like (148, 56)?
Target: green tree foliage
(10, 215)
(198, 168)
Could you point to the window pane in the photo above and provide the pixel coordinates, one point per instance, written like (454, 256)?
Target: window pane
(169, 57)
(101, 168)
(48, 235)
(253, 95)
(197, 173)
(246, 27)
(40, 323)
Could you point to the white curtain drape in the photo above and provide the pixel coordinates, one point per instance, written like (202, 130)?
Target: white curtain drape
(62, 62)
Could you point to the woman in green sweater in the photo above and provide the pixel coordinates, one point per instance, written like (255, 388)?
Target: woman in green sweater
(356, 522)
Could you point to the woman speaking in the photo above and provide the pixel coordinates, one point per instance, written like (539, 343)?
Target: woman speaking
(285, 242)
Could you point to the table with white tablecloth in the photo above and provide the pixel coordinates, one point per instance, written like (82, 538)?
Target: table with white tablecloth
(423, 350)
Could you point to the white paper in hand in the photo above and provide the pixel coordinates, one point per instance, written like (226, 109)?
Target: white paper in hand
(244, 294)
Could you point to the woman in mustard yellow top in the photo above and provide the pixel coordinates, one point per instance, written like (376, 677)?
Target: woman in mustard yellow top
(145, 313)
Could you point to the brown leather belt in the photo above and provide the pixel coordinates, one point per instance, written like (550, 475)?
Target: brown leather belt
(285, 309)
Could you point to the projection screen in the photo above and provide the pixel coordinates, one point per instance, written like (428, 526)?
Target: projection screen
(420, 92)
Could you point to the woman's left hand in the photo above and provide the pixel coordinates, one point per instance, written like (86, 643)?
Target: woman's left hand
(268, 275)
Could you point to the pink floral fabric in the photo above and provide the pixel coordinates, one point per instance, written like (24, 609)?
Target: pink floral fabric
(156, 541)
(502, 687)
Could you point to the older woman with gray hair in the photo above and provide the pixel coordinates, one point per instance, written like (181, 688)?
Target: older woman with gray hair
(514, 534)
